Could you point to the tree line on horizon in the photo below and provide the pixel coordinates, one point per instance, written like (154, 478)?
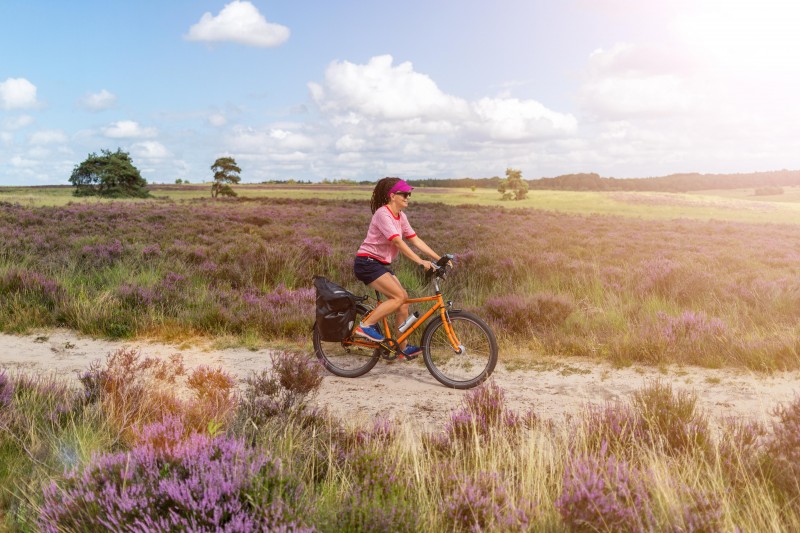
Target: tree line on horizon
(594, 182)
(112, 174)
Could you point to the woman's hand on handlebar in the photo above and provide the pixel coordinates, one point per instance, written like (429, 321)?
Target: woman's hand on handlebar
(427, 266)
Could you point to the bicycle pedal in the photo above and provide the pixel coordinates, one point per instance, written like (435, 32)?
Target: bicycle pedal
(389, 352)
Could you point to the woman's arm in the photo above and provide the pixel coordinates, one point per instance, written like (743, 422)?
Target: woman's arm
(408, 252)
(420, 244)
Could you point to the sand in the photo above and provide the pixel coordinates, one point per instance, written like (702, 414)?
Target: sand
(556, 389)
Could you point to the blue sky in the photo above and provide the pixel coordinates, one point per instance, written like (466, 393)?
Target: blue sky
(363, 89)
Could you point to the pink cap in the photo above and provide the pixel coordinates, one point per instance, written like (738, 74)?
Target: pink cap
(400, 186)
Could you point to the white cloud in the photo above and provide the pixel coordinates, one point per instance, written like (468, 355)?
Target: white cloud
(128, 129)
(271, 141)
(510, 119)
(150, 150)
(18, 122)
(21, 162)
(381, 90)
(350, 143)
(43, 137)
(17, 93)
(630, 81)
(217, 120)
(239, 22)
(379, 97)
(99, 101)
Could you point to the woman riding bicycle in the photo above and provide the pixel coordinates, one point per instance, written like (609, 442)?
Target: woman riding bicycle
(387, 229)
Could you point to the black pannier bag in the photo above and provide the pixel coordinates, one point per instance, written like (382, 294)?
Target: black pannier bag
(336, 310)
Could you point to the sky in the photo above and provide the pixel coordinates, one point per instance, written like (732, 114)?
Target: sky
(361, 89)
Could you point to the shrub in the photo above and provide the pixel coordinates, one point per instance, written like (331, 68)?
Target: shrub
(602, 493)
(6, 392)
(691, 328)
(613, 426)
(34, 286)
(215, 400)
(670, 420)
(198, 483)
(520, 314)
(656, 417)
(783, 450)
(212, 384)
(301, 376)
(482, 504)
(132, 389)
(281, 389)
(377, 497)
(483, 413)
(768, 191)
(701, 511)
(41, 400)
(740, 448)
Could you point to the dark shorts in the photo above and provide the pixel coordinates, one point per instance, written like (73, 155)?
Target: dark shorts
(368, 270)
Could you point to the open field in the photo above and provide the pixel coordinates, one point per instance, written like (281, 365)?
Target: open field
(624, 289)
(733, 205)
(683, 332)
(143, 435)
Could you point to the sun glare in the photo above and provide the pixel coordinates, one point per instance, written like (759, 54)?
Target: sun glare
(743, 33)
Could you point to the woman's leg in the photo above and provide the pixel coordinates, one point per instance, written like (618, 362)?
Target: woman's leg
(396, 295)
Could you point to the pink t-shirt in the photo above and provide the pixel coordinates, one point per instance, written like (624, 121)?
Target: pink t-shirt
(382, 229)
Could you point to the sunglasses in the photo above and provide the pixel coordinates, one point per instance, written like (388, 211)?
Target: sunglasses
(404, 194)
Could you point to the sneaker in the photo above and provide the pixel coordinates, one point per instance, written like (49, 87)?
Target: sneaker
(370, 332)
(410, 353)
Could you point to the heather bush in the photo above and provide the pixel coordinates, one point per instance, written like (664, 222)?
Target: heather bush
(6, 393)
(377, 497)
(483, 413)
(701, 512)
(282, 389)
(523, 314)
(691, 337)
(37, 288)
(484, 504)
(198, 483)
(29, 299)
(215, 399)
(603, 493)
(783, 451)
(41, 401)
(613, 426)
(740, 450)
(670, 420)
(211, 384)
(131, 389)
(655, 417)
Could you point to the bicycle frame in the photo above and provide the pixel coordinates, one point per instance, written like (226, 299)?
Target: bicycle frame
(439, 306)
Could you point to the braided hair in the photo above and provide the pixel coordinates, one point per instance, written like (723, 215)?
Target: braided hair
(380, 194)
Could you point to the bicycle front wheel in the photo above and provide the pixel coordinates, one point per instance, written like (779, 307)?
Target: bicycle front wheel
(349, 358)
(468, 365)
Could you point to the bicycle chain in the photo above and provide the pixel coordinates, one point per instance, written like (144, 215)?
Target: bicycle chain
(390, 349)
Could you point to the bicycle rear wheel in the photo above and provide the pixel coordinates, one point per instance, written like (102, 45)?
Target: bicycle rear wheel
(348, 358)
(464, 368)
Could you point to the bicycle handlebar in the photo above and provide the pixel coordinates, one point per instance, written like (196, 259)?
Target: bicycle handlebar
(439, 268)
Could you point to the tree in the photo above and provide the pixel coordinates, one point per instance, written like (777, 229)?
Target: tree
(111, 175)
(513, 187)
(225, 171)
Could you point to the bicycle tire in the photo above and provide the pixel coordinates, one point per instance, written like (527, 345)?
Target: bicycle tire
(343, 359)
(460, 370)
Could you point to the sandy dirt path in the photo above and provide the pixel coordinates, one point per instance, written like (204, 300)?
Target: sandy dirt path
(555, 390)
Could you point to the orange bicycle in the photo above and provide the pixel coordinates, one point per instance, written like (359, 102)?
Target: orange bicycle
(458, 348)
